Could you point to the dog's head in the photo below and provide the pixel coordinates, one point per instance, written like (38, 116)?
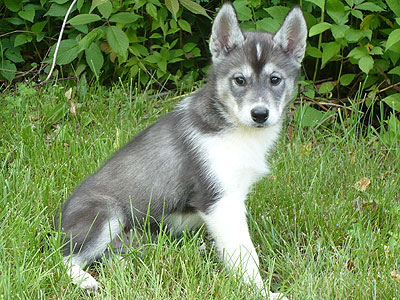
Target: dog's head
(256, 72)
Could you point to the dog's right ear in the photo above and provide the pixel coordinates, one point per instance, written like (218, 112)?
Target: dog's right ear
(226, 33)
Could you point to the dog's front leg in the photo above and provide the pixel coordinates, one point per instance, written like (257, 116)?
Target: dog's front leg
(226, 222)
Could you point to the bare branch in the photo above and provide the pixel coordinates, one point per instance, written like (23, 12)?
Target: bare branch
(59, 41)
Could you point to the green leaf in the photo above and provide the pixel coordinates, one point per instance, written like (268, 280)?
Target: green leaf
(38, 26)
(326, 88)
(242, 10)
(354, 35)
(394, 53)
(13, 5)
(151, 10)
(172, 6)
(330, 50)
(153, 58)
(117, 40)
(188, 47)
(15, 21)
(366, 63)
(393, 38)
(28, 14)
(124, 18)
(346, 79)
(156, 35)
(58, 113)
(335, 9)
(59, 1)
(370, 22)
(393, 101)
(14, 55)
(319, 3)
(94, 58)
(309, 116)
(140, 50)
(57, 10)
(358, 14)
(96, 3)
(278, 12)
(369, 6)
(21, 39)
(319, 28)
(194, 7)
(185, 25)
(88, 39)
(339, 31)
(7, 69)
(84, 19)
(395, 71)
(313, 52)
(392, 134)
(358, 52)
(394, 6)
(105, 9)
(268, 25)
(79, 4)
(376, 51)
(68, 51)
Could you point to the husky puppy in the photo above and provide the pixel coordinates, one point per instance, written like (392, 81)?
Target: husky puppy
(197, 164)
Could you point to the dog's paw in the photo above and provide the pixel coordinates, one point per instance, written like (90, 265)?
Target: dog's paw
(82, 278)
(277, 296)
(89, 283)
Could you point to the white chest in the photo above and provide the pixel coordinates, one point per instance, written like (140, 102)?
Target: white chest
(237, 159)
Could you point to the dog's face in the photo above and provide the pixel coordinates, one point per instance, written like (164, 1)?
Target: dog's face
(256, 72)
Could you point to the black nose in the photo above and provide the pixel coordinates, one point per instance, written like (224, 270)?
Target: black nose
(259, 114)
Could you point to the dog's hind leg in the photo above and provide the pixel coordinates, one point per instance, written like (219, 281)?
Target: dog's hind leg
(87, 243)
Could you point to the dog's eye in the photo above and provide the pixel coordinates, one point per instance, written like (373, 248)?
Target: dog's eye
(275, 80)
(240, 80)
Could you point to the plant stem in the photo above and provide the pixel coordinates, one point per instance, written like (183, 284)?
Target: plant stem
(319, 45)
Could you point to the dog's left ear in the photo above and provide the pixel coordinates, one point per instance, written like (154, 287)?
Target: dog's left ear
(292, 35)
(226, 33)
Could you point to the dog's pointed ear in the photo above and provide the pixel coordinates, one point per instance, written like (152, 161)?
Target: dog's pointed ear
(292, 35)
(226, 33)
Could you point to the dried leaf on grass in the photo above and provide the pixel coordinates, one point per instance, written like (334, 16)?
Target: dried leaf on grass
(352, 157)
(362, 184)
(306, 150)
(68, 94)
(395, 275)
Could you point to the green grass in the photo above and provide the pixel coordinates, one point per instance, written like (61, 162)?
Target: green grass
(317, 235)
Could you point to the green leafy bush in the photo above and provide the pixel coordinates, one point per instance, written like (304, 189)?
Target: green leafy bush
(353, 44)
(146, 39)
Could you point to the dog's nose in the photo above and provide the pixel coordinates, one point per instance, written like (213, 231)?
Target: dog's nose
(259, 114)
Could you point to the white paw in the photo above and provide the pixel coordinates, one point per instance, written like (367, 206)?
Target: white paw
(88, 283)
(82, 278)
(277, 296)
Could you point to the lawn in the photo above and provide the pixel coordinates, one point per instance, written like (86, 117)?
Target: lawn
(325, 222)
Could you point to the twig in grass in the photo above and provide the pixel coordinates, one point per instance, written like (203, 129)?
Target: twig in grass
(322, 122)
(389, 87)
(59, 41)
(394, 86)
(23, 31)
(325, 104)
(315, 102)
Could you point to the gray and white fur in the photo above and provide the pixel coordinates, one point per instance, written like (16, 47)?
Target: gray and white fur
(197, 164)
